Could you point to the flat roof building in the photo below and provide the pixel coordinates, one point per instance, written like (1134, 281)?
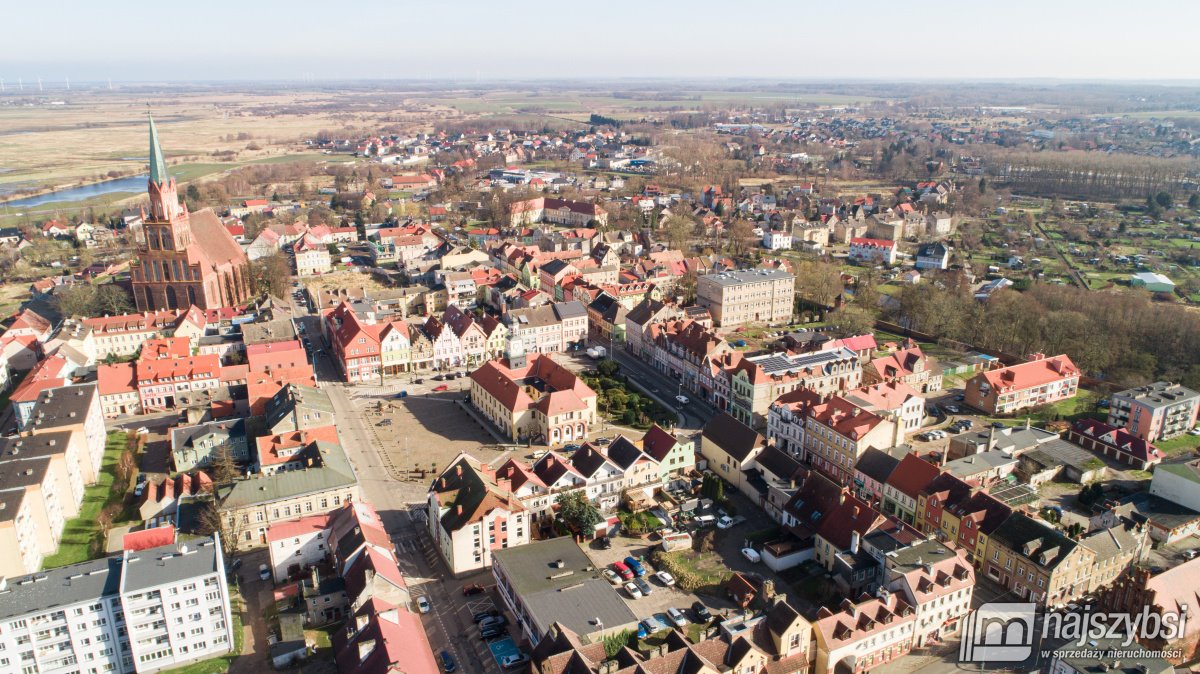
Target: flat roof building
(752, 295)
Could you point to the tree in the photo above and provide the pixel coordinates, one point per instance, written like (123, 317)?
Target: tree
(89, 301)
(818, 282)
(578, 513)
(272, 274)
(1194, 201)
(608, 367)
(228, 527)
(1164, 200)
(224, 468)
(613, 643)
(853, 319)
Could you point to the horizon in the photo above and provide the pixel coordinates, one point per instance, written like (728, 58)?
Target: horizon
(868, 41)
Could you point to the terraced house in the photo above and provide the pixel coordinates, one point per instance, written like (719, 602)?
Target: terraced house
(534, 399)
(473, 512)
(757, 381)
(1037, 562)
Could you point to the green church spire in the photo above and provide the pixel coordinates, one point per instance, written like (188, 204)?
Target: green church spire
(158, 167)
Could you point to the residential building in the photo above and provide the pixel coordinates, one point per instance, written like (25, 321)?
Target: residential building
(1111, 655)
(188, 258)
(161, 380)
(1037, 562)
(871, 473)
(197, 446)
(872, 251)
(75, 409)
(1158, 411)
(896, 401)
(837, 432)
(933, 256)
(757, 381)
(638, 320)
(909, 365)
(123, 335)
(776, 641)
(937, 582)
(903, 487)
(787, 417)
(1166, 592)
(473, 513)
(863, 635)
(553, 582)
(310, 256)
(676, 457)
(1007, 390)
(1116, 549)
(549, 328)
(534, 399)
(753, 295)
(730, 447)
(144, 610)
(1168, 522)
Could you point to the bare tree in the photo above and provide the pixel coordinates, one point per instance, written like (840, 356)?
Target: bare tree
(228, 526)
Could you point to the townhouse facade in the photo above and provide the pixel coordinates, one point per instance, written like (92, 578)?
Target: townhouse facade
(838, 432)
(549, 328)
(472, 512)
(1036, 562)
(534, 398)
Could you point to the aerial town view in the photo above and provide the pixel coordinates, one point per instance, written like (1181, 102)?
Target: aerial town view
(367, 339)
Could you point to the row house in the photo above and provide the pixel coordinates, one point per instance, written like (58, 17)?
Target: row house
(937, 582)
(861, 636)
(902, 490)
(908, 365)
(639, 319)
(872, 251)
(472, 512)
(680, 349)
(1037, 562)
(161, 381)
(895, 401)
(837, 432)
(757, 381)
(1040, 381)
(549, 328)
(123, 335)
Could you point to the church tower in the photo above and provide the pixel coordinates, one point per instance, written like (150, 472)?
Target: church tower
(187, 259)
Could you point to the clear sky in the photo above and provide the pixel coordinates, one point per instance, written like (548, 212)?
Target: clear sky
(175, 40)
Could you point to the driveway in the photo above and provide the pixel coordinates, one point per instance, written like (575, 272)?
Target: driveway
(257, 595)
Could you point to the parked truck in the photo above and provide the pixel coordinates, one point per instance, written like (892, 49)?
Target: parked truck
(597, 352)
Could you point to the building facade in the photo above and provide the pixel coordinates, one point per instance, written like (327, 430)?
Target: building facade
(754, 295)
(1158, 411)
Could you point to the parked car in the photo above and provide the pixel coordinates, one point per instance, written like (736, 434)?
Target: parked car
(703, 615)
(622, 570)
(665, 578)
(612, 576)
(633, 590)
(493, 621)
(384, 422)
(635, 566)
(514, 660)
(446, 661)
(491, 633)
(677, 617)
(645, 587)
(1189, 554)
(484, 615)
(997, 424)
(264, 572)
(682, 400)
(440, 388)
(751, 554)
(952, 409)
(650, 625)
(423, 604)
(473, 588)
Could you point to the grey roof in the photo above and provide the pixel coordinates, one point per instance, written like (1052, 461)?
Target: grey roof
(1020, 530)
(64, 586)
(153, 567)
(1111, 542)
(1159, 394)
(1188, 470)
(732, 278)
(780, 363)
(575, 599)
(279, 330)
(42, 444)
(63, 406)
(1013, 438)
(936, 249)
(977, 463)
(290, 398)
(186, 436)
(876, 464)
(925, 552)
(732, 436)
(1061, 452)
(334, 472)
(570, 309)
(1158, 511)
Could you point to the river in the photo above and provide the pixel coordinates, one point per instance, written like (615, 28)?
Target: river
(131, 184)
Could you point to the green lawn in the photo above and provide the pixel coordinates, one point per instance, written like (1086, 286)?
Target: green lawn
(221, 664)
(80, 532)
(1083, 405)
(1181, 445)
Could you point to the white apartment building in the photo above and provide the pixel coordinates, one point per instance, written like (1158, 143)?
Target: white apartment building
(141, 611)
(753, 295)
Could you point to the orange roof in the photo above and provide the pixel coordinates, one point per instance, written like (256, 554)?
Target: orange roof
(269, 446)
(301, 527)
(116, 378)
(168, 369)
(1031, 374)
(165, 347)
(148, 538)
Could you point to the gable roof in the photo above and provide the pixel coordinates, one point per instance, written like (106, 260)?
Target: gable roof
(732, 436)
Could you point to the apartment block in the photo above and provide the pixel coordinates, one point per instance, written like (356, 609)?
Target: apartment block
(140, 611)
(1159, 411)
(753, 295)
(1040, 381)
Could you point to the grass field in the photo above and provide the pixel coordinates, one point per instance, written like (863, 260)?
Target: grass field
(79, 533)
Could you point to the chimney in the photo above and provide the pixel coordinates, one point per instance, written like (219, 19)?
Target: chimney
(855, 541)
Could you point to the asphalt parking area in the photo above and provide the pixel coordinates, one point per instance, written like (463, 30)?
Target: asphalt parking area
(661, 598)
(502, 648)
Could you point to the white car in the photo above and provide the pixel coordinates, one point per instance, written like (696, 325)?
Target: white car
(665, 578)
(751, 554)
(633, 590)
(1189, 554)
(725, 522)
(423, 604)
(682, 400)
(264, 572)
(612, 576)
(677, 617)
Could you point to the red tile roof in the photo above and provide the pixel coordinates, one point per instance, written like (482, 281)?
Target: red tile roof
(148, 538)
(912, 475)
(1032, 374)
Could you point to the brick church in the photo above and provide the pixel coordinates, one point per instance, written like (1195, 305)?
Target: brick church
(188, 258)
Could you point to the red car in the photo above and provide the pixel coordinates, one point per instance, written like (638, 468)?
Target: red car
(443, 387)
(622, 570)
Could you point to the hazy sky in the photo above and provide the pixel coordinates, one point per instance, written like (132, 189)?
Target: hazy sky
(131, 40)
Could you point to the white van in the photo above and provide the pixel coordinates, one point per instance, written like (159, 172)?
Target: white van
(705, 521)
